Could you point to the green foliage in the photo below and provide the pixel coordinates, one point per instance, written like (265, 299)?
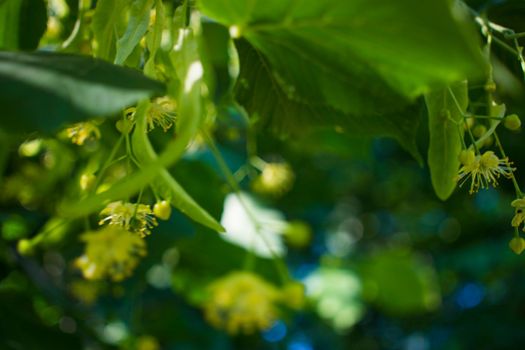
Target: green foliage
(446, 134)
(9, 17)
(44, 91)
(167, 186)
(108, 21)
(400, 283)
(126, 109)
(319, 62)
(22, 23)
(139, 15)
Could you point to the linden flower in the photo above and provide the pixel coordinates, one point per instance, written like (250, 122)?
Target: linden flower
(81, 132)
(241, 302)
(519, 216)
(110, 252)
(132, 217)
(161, 113)
(483, 170)
(275, 179)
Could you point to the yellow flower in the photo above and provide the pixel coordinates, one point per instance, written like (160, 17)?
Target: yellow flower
(110, 252)
(241, 302)
(161, 113)
(482, 170)
(81, 132)
(519, 216)
(132, 217)
(276, 179)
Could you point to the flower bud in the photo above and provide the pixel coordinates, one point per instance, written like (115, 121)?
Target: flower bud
(467, 157)
(124, 126)
(298, 234)
(512, 122)
(517, 245)
(25, 247)
(87, 181)
(162, 210)
(479, 130)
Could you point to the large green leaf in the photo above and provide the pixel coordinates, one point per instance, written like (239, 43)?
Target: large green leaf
(137, 27)
(343, 62)
(167, 186)
(108, 21)
(9, 23)
(43, 91)
(33, 23)
(22, 23)
(445, 136)
(260, 93)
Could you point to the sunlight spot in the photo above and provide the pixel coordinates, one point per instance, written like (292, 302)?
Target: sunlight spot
(194, 74)
(183, 33)
(235, 32)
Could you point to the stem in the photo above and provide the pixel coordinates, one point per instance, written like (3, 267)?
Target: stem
(519, 194)
(138, 202)
(472, 139)
(258, 163)
(461, 136)
(474, 116)
(112, 155)
(504, 45)
(280, 265)
(514, 35)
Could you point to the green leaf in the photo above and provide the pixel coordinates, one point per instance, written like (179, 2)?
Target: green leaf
(169, 187)
(400, 282)
(154, 39)
(22, 24)
(107, 24)
(9, 24)
(446, 135)
(354, 56)
(260, 93)
(217, 44)
(137, 26)
(43, 91)
(33, 24)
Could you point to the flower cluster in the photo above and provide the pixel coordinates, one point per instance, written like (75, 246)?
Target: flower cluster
(519, 216)
(242, 302)
(161, 113)
(81, 132)
(132, 217)
(110, 252)
(482, 170)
